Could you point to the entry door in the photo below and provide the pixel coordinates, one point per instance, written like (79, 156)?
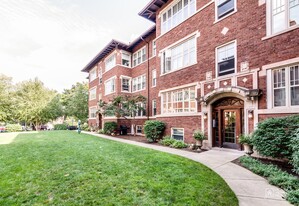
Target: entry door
(230, 128)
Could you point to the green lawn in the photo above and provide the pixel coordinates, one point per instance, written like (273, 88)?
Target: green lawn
(65, 168)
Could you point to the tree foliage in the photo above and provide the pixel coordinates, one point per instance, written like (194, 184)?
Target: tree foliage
(6, 102)
(75, 101)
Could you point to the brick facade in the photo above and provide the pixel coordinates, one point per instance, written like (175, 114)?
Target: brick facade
(255, 49)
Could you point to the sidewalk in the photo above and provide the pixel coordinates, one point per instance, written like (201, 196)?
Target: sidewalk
(249, 188)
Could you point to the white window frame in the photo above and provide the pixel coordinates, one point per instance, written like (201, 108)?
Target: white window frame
(137, 129)
(141, 53)
(154, 78)
(130, 59)
(93, 93)
(106, 82)
(93, 74)
(178, 129)
(171, 94)
(154, 106)
(228, 14)
(143, 113)
(167, 55)
(129, 79)
(140, 80)
(176, 19)
(110, 62)
(154, 51)
(216, 58)
(287, 87)
(94, 112)
(286, 22)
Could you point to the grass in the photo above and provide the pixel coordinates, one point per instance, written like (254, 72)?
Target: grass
(65, 168)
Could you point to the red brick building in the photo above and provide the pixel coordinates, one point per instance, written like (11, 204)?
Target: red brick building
(220, 66)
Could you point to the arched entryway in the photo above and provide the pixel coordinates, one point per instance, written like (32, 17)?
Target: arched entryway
(227, 122)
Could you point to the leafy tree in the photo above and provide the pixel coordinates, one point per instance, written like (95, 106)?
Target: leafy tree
(6, 101)
(123, 106)
(32, 99)
(75, 101)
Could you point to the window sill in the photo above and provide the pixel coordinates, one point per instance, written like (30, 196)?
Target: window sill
(125, 91)
(218, 20)
(194, 114)
(139, 90)
(109, 93)
(280, 110)
(138, 64)
(281, 32)
(178, 69)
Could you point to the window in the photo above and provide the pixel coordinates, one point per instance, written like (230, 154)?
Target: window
(180, 56)
(177, 13)
(141, 111)
(179, 101)
(93, 74)
(92, 93)
(154, 108)
(100, 76)
(139, 83)
(224, 7)
(92, 112)
(126, 59)
(139, 57)
(154, 77)
(286, 86)
(226, 59)
(284, 14)
(154, 48)
(110, 62)
(125, 84)
(177, 134)
(110, 86)
(138, 129)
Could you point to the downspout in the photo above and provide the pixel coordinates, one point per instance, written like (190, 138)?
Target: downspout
(148, 79)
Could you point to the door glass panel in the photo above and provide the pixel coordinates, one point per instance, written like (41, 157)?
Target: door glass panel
(230, 126)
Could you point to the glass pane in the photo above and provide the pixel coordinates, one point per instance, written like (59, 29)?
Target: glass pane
(230, 127)
(295, 96)
(294, 12)
(225, 7)
(279, 97)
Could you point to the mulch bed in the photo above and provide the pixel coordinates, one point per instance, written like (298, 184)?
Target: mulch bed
(284, 166)
(144, 140)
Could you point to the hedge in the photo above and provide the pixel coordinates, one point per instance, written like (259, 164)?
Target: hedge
(110, 127)
(153, 130)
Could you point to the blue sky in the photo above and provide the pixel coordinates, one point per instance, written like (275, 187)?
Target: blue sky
(54, 39)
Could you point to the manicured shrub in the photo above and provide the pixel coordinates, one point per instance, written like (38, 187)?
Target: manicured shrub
(13, 128)
(275, 176)
(153, 130)
(85, 127)
(167, 141)
(101, 131)
(178, 144)
(60, 127)
(295, 148)
(273, 136)
(110, 127)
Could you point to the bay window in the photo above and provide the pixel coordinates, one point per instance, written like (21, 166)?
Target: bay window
(284, 14)
(179, 56)
(139, 83)
(139, 56)
(179, 101)
(125, 84)
(286, 86)
(93, 74)
(226, 59)
(177, 13)
(110, 62)
(110, 86)
(126, 59)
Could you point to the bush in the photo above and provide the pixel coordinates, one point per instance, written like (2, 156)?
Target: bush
(199, 135)
(60, 127)
(153, 130)
(110, 127)
(273, 136)
(13, 128)
(179, 144)
(101, 131)
(167, 141)
(275, 176)
(85, 127)
(293, 197)
(245, 139)
(295, 148)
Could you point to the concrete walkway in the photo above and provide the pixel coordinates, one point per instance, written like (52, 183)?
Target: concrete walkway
(249, 188)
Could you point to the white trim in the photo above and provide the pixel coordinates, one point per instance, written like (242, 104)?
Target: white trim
(154, 70)
(236, 58)
(194, 114)
(179, 68)
(141, 76)
(146, 57)
(280, 110)
(216, 12)
(136, 129)
(281, 32)
(114, 53)
(91, 89)
(281, 63)
(94, 69)
(180, 87)
(178, 128)
(113, 77)
(121, 83)
(93, 107)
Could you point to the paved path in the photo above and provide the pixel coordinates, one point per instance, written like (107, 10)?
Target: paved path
(251, 189)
